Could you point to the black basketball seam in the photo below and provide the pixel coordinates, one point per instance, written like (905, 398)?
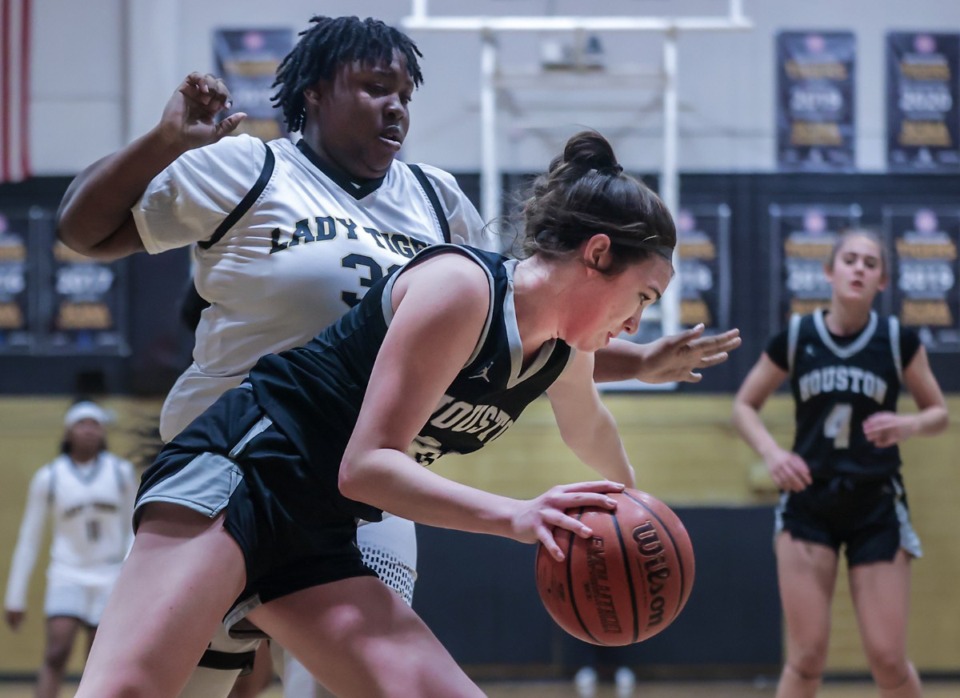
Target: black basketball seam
(573, 596)
(673, 542)
(626, 566)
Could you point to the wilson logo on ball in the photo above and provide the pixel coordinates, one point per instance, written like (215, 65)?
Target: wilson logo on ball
(656, 568)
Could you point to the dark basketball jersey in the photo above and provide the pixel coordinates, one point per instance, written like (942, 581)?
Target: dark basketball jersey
(836, 387)
(313, 393)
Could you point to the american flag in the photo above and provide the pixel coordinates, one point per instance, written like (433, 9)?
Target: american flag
(14, 90)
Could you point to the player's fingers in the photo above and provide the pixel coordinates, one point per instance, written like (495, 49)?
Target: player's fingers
(687, 337)
(229, 124)
(195, 85)
(576, 500)
(550, 545)
(693, 377)
(802, 472)
(592, 486)
(728, 341)
(719, 342)
(559, 520)
(714, 359)
(206, 89)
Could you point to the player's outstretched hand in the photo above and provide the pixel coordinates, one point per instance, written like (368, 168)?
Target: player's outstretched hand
(681, 356)
(190, 117)
(537, 518)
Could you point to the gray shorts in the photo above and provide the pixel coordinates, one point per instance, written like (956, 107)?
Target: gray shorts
(233, 460)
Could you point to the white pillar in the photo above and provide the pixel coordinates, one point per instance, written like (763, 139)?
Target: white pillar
(151, 64)
(669, 175)
(490, 184)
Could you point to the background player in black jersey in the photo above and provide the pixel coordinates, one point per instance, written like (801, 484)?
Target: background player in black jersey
(260, 495)
(841, 480)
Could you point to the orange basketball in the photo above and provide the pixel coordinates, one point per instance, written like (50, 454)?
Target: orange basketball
(625, 583)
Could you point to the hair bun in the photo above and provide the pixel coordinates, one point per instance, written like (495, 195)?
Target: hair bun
(588, 150)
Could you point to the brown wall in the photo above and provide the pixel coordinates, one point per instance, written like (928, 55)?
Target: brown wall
(684, 451)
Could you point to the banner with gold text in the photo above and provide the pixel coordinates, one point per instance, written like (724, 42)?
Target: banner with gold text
(703, 270)
(18, 325)
(247, 60)
(815, 101)
(923, 118)
(802, 238)
(925, 293)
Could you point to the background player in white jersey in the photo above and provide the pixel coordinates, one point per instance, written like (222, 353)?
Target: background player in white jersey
(87, 493)
(259, 497)
(841, 480)
(287, 237)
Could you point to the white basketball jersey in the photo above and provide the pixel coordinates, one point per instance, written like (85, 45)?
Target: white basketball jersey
(91, 508)
(299, 256)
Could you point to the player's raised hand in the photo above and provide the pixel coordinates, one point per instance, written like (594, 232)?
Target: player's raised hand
(190, 117)
(681, 356)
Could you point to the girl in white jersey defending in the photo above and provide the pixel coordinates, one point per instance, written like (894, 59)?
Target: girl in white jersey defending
(258, 498)
(287, 237)
(840, 482)
(87, 493)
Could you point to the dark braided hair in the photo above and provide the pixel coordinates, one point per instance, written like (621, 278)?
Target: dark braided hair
(585, 192)
(330, 43)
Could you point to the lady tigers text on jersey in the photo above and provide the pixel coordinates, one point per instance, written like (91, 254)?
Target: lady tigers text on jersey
(321, 228)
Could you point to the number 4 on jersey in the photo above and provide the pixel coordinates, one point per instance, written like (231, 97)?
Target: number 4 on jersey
(837, 425)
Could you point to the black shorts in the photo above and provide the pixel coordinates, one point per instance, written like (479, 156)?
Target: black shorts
(870, 519)
(232, 459)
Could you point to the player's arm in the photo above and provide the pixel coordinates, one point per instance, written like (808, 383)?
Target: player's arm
(441, 306)
(787, 470)
(28, 547)
(585, 423)
(678, 357)
(888, 428)
(94, 217)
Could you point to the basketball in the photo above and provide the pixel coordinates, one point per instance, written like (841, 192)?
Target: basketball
(625, 583)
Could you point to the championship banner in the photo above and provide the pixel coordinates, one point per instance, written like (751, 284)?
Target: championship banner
(247, 60)
(703, 278)
(703, 271)
(802, 238)
(925, 294)
(815, 101)
(17, 319)
(87, 307)
(923, 118)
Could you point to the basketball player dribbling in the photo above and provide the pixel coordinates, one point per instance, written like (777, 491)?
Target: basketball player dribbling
(288, 237)
(259, 497)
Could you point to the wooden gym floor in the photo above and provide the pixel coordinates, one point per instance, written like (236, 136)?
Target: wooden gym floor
(657, 689)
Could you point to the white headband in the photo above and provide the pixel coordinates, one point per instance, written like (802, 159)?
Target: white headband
(86, 410)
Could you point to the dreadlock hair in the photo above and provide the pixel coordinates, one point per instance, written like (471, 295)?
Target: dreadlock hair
(330, 43)
(585, 192)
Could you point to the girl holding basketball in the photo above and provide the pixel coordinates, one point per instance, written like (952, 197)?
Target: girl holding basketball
(258, 498)
(841, 484)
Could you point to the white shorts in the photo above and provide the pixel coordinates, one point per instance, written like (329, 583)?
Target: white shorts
(84, 601)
